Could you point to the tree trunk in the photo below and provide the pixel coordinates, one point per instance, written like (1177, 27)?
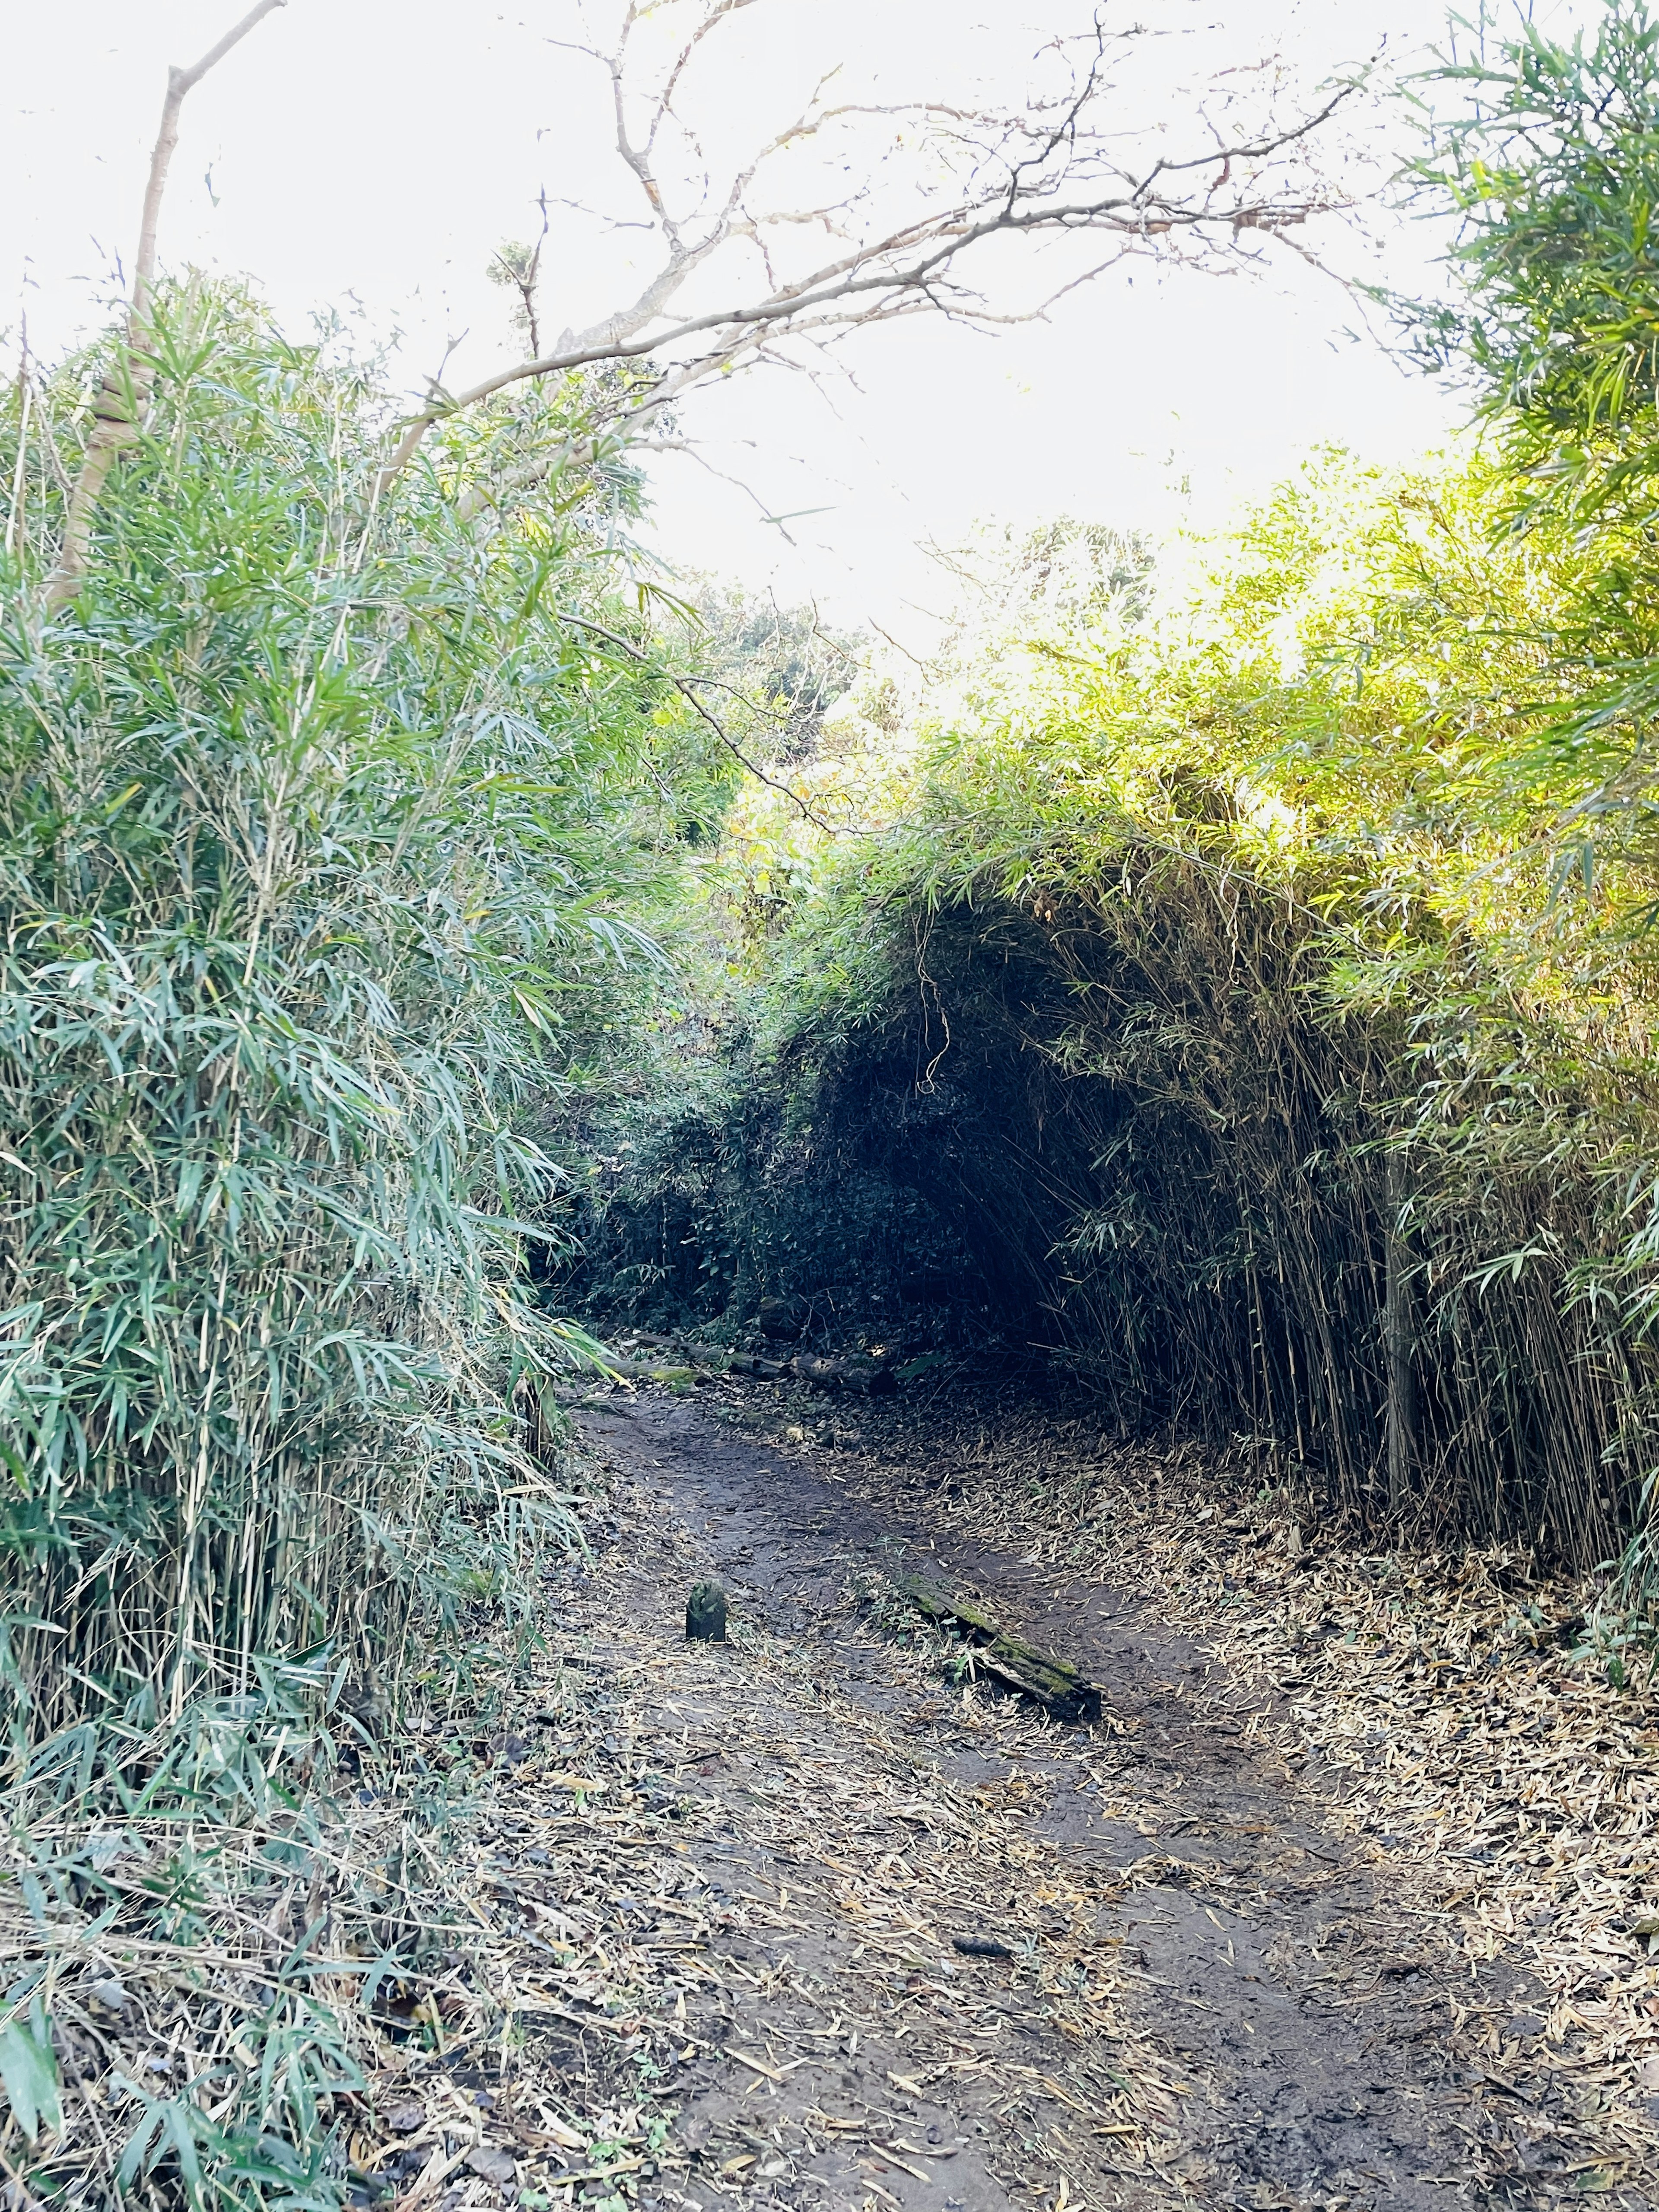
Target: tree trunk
(119, 410)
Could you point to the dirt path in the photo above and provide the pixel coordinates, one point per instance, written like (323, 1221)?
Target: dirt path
(1207, 1997)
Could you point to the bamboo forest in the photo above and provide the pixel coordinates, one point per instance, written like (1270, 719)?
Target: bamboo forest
(802, 1407)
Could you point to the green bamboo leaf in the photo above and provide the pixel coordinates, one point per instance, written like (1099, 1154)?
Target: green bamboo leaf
(28, 2068)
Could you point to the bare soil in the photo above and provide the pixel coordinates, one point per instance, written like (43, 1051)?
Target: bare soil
(1207, 1992)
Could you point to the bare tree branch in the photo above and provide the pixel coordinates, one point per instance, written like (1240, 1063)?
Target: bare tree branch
(119, 406)
(1055, 167)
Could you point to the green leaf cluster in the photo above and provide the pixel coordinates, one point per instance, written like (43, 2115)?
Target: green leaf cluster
(324, 821)
(1252, 993)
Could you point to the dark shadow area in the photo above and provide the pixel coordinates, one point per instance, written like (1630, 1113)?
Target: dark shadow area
(1118, 1141)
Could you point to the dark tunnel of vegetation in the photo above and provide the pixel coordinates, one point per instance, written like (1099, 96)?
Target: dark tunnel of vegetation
(1251, 1007)
(1115, 1139)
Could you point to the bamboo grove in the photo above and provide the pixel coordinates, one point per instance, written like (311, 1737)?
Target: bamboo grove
(321, 824)
(1223, 983)
(1246, 994)
(1231, 973)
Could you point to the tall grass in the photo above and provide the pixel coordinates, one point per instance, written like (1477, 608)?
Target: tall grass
(314, 821)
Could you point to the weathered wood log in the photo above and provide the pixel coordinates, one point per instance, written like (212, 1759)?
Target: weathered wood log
(1063, 1689)
(753, 1363)
(851, 1371)
(684, 1354)
(712, 1356)
(654, 1370)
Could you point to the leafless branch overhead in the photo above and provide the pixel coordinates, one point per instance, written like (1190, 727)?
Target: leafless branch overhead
(907, 199)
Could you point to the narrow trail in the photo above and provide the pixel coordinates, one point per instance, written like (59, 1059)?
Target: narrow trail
(1208, 1997)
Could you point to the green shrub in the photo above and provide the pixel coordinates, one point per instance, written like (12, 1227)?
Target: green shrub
(317, 824)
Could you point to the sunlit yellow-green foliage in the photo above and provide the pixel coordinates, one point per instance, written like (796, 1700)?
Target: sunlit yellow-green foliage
(1354, 693)
(1235, 969)
(1349, 690)
(1300, 826)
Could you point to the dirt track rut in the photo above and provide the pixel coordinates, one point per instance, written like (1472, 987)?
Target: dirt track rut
(1209, 1998)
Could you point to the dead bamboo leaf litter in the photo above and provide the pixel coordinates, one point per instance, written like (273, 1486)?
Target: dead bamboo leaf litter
(1442, 1707)
(681, 1923)
(495, 1981)
(831, 1983)
(420, 1988)
(1307, 2034)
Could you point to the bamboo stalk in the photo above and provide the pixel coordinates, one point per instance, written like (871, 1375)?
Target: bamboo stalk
(1397, 1332)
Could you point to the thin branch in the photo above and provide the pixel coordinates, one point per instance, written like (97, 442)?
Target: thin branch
(122, 398)
(793, 307)
(1212, 197)
(685, 686)
(714, 17)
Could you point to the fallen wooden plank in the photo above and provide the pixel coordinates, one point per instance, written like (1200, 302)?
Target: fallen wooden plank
(713, 1357)
(653, 1370)
(1062, 1688)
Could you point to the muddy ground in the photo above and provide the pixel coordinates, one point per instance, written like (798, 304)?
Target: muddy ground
(934, 1950)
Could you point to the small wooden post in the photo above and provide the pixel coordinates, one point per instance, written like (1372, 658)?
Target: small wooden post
(1397, 1336)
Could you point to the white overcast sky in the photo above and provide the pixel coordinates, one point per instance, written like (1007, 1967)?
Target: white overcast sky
(370, 154)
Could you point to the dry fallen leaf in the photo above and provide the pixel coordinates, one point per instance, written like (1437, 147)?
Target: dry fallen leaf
(491, 2164)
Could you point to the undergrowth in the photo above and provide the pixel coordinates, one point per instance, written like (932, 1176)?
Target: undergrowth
(318, 821)
(214, 1927)
(326, 824)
